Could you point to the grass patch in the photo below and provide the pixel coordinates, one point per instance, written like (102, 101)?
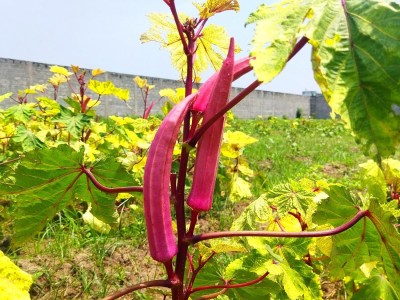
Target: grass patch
(294, 149)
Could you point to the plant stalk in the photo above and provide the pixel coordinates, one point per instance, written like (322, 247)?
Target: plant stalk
(279, 234)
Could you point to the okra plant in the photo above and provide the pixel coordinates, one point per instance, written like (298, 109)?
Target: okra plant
(291, 238)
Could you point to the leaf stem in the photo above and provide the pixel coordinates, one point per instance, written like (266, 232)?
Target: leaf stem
(125, 189)
(299, 45)
(172, 7)
(193, 141)
(143, 285)
(231, 286)
(214, 235)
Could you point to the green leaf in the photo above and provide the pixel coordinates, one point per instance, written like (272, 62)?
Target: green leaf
(247, 268)
(27, 138)
(21, 112)
(48, 180)
(372, 240)
(289, 277)
(354, 56)
(44, 184)
(258, 213)
(340, 207)
(73, 104)
(298, 279)
(289, 196)
(74, 122)
(376, 287)
(356, 64)
(109, 173)
(300, 282)
(277, 29)
(210, 274)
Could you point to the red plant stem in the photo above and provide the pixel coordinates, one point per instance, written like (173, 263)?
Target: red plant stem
(278, 221)
(170, 270)
(193, 221)
(193, 141)
(221, 234)
(197, 270)
(189, 47)
(200, 29)
(299, 45)
(172, 7)
(230, 286)
(125, 189)
(181, 220)
(300, 219)
(143, 285)
(11, 160)
(213, 295)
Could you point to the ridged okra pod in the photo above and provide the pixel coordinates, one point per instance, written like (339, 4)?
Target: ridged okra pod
(208, 149)
(156, 190)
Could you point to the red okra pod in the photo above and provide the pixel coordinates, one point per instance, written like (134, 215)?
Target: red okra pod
(240, 67)
(156, 191)
(208, 149)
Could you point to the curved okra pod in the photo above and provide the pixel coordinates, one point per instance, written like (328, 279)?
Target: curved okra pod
(156, 193)
(207, 155)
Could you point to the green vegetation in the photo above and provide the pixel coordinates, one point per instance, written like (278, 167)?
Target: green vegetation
(300, 148)
(295, 211)
(69, 259)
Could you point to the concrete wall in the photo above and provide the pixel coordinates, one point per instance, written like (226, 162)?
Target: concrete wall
(18, 75)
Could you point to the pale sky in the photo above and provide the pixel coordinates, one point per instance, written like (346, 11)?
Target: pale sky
(105, 34)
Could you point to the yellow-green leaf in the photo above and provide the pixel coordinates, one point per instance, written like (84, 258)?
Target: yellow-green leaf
(391, 170)
(278, 28)
(234, 142)
(75, 69)
(122, 94)
(95, 223)
(60, 70)
(368, 267)
(174, 96)
(212, 44)
(142, 83)
(57, 79)
(5, 96)
(374, 180)
(226, 245)
(240, 189)
(38, 87)
(212, 7)
(97, 72)
(14, 283)
(101, 88)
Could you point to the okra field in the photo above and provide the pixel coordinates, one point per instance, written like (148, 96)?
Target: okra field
(197, 204)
